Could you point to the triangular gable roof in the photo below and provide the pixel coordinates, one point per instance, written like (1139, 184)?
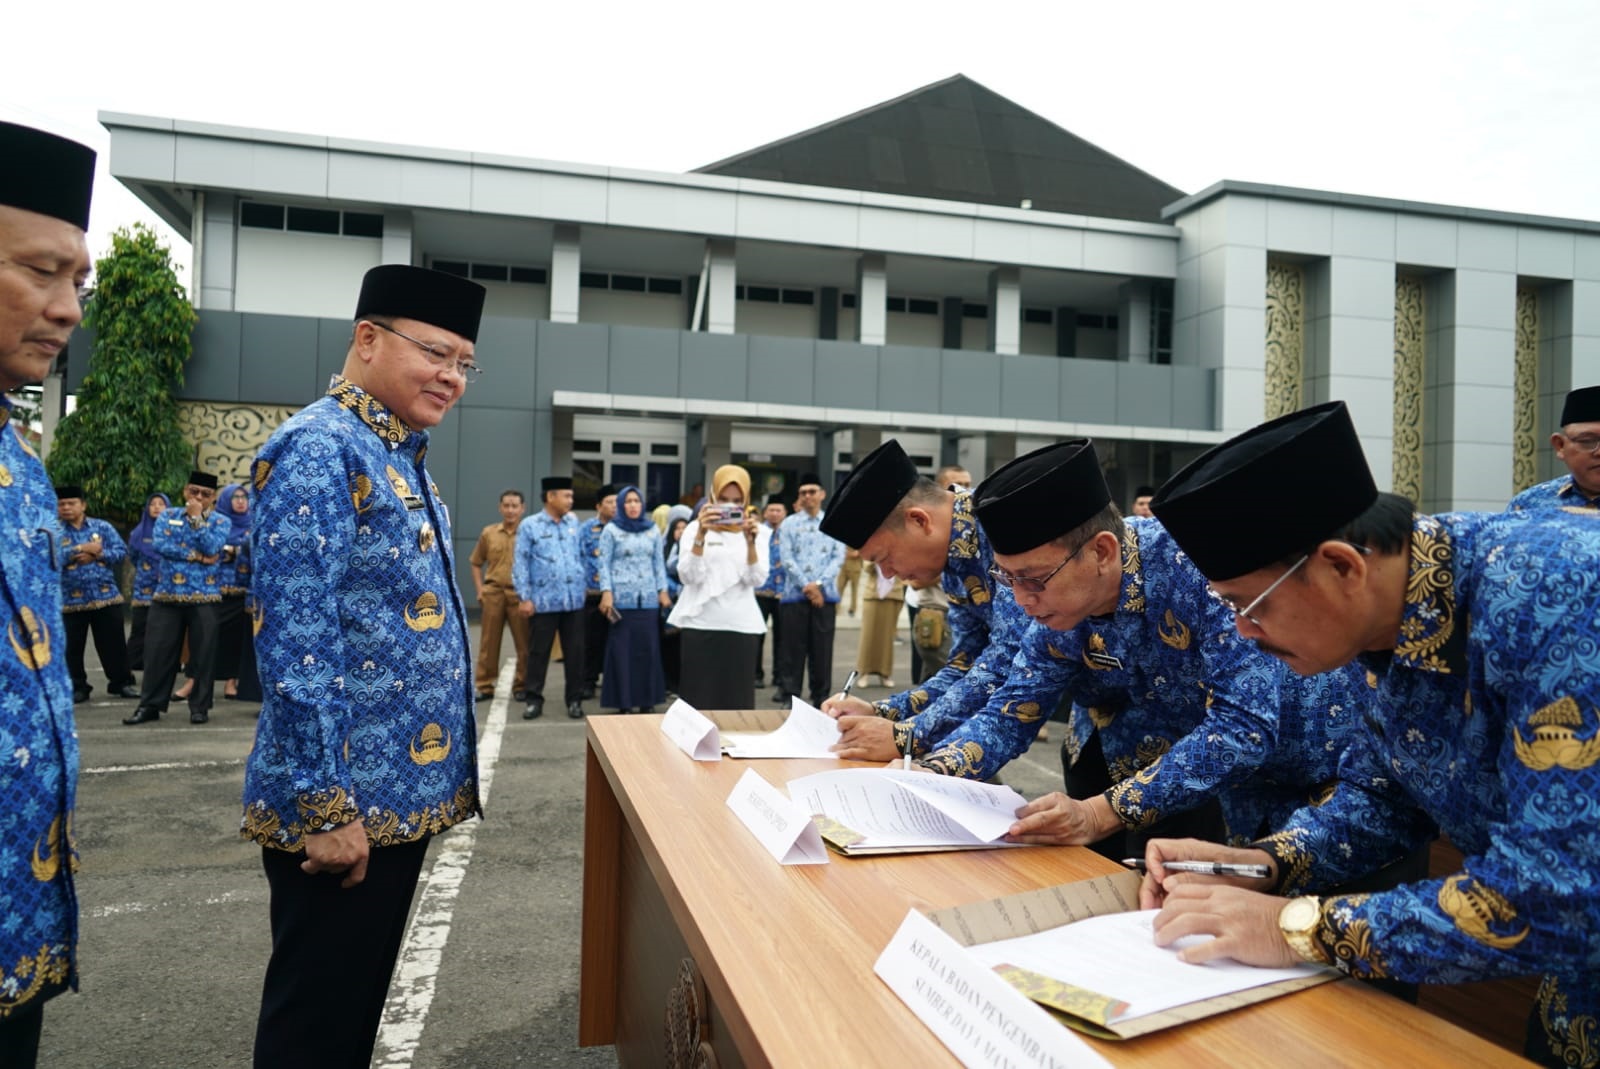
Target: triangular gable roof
(959, 140)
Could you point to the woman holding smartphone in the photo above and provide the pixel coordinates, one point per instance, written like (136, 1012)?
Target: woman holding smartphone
(721, 561)
(633, 591)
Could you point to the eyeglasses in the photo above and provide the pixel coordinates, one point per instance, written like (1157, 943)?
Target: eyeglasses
(1247, 613)
(1028, 583)
(1587, 443)
(465, 368)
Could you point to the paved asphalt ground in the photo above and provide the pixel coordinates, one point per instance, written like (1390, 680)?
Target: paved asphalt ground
(174, 905)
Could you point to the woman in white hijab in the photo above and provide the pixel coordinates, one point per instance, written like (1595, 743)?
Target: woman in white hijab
(721, 561)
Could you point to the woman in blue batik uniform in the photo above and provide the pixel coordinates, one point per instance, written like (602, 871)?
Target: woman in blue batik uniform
(633, 586)
(146, 574)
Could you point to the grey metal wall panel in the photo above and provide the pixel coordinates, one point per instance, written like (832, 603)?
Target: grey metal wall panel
(570, 356)
(908, 378)
(1088, 390)
(782, 370)
(496, 448)
(212, 373)
(644, 360)
(543, 431)
(969, 382)
(79, 346)
(333, 343)
(1193, 395)
(506, 349)
(1030, 387)
(847, 375)
(1144, 394)
(278, 362)
(714, 366)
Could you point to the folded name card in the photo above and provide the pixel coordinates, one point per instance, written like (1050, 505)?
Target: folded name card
(692, 732)
(782, 827)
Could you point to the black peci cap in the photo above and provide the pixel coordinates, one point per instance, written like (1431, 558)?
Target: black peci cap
(605, 491)
(868, 494)
(807, 478)
(555, 482)
(448, 302)
(1269, 492)
(1040, 496)
(69, 490)
(203, 479)
(1581, 406)
(43, 173)
(777, 499)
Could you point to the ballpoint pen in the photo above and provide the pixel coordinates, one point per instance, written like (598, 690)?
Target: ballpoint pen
(849, 682)
(1209, 868)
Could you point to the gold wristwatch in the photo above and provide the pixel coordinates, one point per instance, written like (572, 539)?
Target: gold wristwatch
(1299, 920)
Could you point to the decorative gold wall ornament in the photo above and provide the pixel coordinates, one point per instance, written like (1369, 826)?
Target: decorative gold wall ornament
(1286, 335)
(1525, 411)
(227, 437)
(1410, 353)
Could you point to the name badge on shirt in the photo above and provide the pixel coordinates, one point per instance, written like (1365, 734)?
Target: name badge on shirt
(413, 503)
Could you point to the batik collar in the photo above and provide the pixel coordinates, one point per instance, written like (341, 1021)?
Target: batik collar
(1431, 637)
(384, 423)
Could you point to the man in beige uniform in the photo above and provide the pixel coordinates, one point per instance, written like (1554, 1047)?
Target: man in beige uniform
(491, 576)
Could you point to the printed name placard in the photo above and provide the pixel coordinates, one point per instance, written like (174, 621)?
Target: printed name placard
(984, 1021)
(693, 733)
(779, 825)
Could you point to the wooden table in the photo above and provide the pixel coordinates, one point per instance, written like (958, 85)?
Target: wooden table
(686, 916)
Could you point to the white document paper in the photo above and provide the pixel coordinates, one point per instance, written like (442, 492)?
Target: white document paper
(1116, 955)
(806, 732)
(981, 1019)
(894, 809)
(782, 827)
(692, 731)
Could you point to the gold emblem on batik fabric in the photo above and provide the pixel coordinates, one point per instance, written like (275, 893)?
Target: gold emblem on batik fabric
(424, 614)
(385, 424)
(1132, 573)
(1351, 948)
(31, 643)
(5, 477)
(430, 745)
(425, 537)
(977, 593)
(1174, 632)
(1554, 742)
(1574, 1038)
(51, 848)
(260, 473)
(963, 529)
(402, 488)
(361, 493)
(1481, 912)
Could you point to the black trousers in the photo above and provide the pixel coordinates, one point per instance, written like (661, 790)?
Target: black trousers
(333, 951)
(141, 617)
(1090, 777)
(19, 1037)
(542, 631)
(769, 612)
(164, 645)
(805, 646)
(233, 634)
(916, 652)
(596, 629)
(106, 623)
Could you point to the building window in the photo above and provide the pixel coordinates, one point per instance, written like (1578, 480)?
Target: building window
(628, 283)
(363, 225)
(663, 449)
(531, 275)
(666, 285)
(799, 297)
(1038, 315)
(594, 280)
(922, 306)
(974, 311)
(313, 220)
(895, 304)
(261, 216)
(847, 300)
(459, 268)
(491, 272)
(1161, 323)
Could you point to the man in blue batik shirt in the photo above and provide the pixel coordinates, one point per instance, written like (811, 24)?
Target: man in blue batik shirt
(1480, 631)
(366, 746)
(1577, 445)
(551, 577)
(91, 596)
(915, 529)
(595, 625)
(44, 261)
(1178, 723)
(808, 605)
(768, 593)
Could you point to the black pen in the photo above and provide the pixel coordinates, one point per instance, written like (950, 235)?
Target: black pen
(849, 682)
(1208, 868)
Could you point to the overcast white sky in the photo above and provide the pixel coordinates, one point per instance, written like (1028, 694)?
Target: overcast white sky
(1489, 105)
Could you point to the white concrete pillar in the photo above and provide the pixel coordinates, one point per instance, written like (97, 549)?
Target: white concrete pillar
(1349, 352)
(1134, 307)
(1220, 304)
(1005, 310)
(566, 260)
(720, 285)
(398, 247)
(1470, 391)
(716, 444)
(872, 296)
(215, 256)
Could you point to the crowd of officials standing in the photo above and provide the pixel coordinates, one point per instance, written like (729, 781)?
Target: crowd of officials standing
(1318, 690)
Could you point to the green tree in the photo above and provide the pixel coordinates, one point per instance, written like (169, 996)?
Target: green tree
(122, 443)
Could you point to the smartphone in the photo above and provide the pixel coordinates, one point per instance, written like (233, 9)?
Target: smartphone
(613, 615)
(730, 515)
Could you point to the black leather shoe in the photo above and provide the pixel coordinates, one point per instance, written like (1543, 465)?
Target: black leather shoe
(129, 691)
(780, 696)
(520, 695)
(199, 718)
(81, 695)
(575, 710)
(142, 715)
(485, 695)
(588, 693)
(534, 710)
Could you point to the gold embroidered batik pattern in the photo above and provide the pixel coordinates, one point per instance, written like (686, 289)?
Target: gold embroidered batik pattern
(1428, 620)
(33, 974)
(1410, 355)
(1285, 341)
(385, 424)
(1573, 1039)
(1351, 948)
(1481, 912)
(1132, 573)
(1525, 447)
(1554, 742)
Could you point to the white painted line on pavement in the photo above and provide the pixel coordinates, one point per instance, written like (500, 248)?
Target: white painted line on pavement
(416, 972)
(125, 908)
(161, 766)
